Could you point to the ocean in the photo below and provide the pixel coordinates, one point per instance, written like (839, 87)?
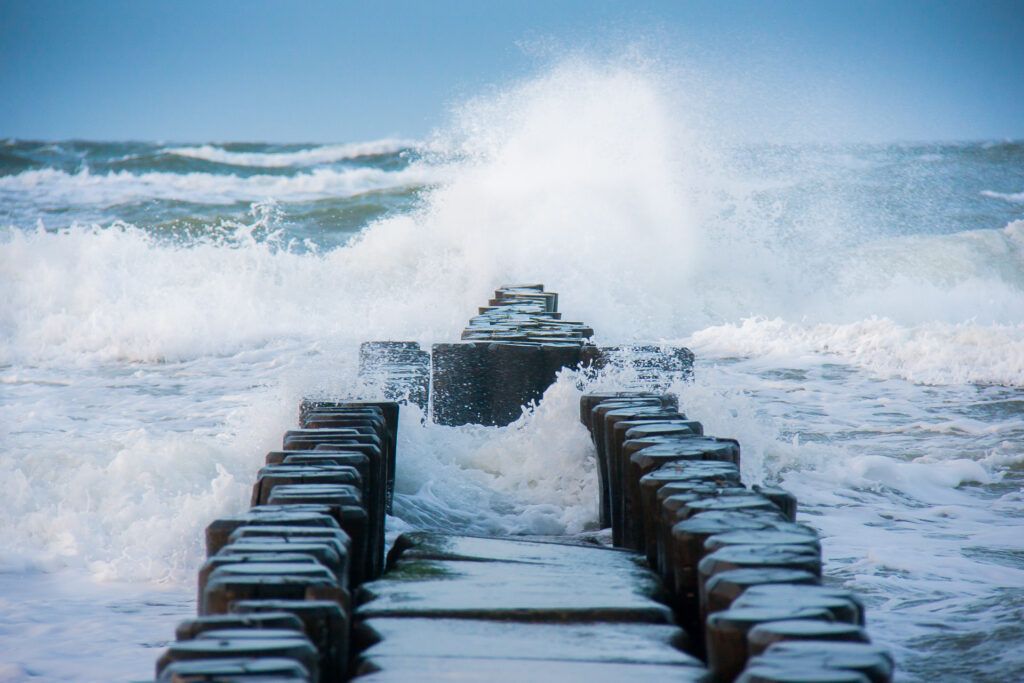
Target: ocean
(857, 312)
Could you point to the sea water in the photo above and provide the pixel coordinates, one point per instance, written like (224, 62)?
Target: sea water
(857, 312)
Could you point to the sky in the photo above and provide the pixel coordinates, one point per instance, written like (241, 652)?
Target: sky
(319, 71)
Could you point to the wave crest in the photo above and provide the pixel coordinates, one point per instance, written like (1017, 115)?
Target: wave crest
(1015, 197)
(52, 188)
(932, 353)
(313, 156)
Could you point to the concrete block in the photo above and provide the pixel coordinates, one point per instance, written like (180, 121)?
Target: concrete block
(489, 383)
(654, 366)
(492, 670)
(517, 375)
(513, 581)
(398, 370)
(592, 642)
(460, 387)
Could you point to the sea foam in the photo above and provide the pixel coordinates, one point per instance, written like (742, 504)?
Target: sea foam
(315, 155)
(1016, 197)
(52, 188)
(146, 377)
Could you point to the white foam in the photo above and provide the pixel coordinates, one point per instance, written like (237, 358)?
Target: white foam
(67, 627)
(535, 476)
(586, 178)
(930, 353)
(147, 378)
(115, 473)
(1016, 197)
(505, 211)
(321, 154)
(52, 188)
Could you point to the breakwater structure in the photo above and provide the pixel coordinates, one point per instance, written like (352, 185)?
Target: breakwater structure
(705, 579)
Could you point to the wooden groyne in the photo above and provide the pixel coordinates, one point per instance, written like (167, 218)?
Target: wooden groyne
(708, 580)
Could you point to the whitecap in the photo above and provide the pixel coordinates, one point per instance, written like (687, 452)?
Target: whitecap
(1016, 197)
(55, 189)
(322, 154)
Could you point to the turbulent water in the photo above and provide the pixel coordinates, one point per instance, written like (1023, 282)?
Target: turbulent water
(857, 311)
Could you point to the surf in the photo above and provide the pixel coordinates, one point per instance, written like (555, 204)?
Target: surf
(869, 359)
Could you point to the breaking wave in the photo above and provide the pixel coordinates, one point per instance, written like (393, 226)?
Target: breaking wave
(52, 188)
(871, 370)
(320, 154)
(1015, 197)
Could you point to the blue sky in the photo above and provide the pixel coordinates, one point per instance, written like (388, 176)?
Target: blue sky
(338, 71)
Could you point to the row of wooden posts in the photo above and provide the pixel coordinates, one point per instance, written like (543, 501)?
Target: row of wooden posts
(278, 591)
(745, 578)
(275, 593)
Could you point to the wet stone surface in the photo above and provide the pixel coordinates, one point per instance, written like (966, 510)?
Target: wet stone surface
(597, 642)
(515, 590)
(465, 608)
(702, 566)
(492, 670)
